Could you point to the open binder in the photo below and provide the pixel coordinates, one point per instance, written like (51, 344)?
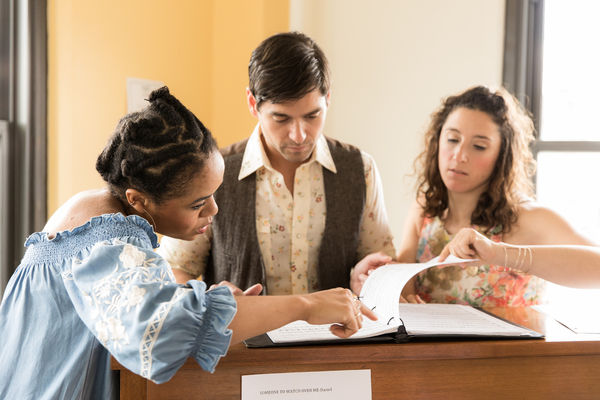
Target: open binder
(401, 322)
(429, 321)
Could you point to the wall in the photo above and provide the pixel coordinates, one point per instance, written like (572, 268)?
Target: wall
(199, 48)
(392, 62)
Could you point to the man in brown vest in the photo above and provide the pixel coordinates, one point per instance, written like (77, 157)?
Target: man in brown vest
(297, 210)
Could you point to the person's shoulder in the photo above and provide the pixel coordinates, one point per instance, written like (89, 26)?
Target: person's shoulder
(540, 225)
(529, 209)
(419, 202)
(234, 148)
(82, 207)
(413, 225)
(337, 145)
(416, 211)
(349, 155)
(98, 200)
(368, 162)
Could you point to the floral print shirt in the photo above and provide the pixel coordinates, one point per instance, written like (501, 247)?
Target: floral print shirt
(290, 227)
(96, 291)
(483, 286)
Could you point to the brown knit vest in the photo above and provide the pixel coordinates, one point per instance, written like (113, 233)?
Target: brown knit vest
(235, 254)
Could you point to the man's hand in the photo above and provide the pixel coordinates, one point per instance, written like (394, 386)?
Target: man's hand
(365, 267)
(251, 291)
(413, 299)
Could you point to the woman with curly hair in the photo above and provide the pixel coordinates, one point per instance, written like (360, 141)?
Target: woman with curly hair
(475, 172)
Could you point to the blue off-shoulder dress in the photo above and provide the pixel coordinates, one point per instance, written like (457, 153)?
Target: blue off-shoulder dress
(97, 290)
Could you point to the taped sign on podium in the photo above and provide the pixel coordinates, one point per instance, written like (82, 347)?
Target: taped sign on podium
(322, 385)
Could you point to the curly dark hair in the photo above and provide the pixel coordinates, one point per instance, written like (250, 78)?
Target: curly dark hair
(286, 67)
(156, 150)
(511, 178)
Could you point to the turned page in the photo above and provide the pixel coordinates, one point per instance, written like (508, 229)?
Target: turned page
(381, 291)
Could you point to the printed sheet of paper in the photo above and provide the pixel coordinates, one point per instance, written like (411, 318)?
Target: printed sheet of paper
(452, 319)
(579, 321)
(302, 331)
(325, 385)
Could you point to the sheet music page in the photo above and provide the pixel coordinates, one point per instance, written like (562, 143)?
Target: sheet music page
(453, 319)
(381, 291)
(302, 331)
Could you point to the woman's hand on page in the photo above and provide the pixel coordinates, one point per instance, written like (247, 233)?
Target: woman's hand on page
(468, 243)
(365, 267)
(338, 307)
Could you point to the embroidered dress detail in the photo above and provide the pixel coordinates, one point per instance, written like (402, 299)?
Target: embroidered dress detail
(482, 286)
(67, 275)
(152, 331)
(101, 290)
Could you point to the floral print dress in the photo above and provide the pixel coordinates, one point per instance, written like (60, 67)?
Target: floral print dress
(483, 286)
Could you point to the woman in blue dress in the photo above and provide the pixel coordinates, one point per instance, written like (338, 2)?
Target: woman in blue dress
(91, 286)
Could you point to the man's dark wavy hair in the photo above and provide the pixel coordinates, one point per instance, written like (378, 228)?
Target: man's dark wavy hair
(286, 67)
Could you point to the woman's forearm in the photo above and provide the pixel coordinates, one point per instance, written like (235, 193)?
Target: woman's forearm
(573, 266)
(259, 314)
(568, 265)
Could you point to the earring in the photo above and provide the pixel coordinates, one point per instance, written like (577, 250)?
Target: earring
(153, 223)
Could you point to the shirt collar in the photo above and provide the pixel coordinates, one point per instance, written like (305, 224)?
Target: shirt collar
(255, 156)
(323, 155)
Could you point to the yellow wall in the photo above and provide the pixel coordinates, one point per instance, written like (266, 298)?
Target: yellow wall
(199, 48)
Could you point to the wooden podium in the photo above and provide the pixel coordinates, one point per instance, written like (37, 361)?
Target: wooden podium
(564, 365)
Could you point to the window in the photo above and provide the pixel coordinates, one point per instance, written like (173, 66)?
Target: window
(22, 128)
(551, 64)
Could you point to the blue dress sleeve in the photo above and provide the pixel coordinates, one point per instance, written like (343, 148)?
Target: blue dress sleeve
(127, 296)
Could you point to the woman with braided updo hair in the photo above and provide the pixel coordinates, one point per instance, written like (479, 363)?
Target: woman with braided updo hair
(90, 285)
(475, 173)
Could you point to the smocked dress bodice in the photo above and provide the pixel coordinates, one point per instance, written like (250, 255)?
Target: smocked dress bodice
(483, 286)
(96, 291)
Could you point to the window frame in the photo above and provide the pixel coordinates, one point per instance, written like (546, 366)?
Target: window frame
(23, 138)
(523, 69)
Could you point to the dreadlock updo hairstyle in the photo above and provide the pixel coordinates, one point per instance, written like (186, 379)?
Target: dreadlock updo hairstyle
(157, 150)
(510, 181)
